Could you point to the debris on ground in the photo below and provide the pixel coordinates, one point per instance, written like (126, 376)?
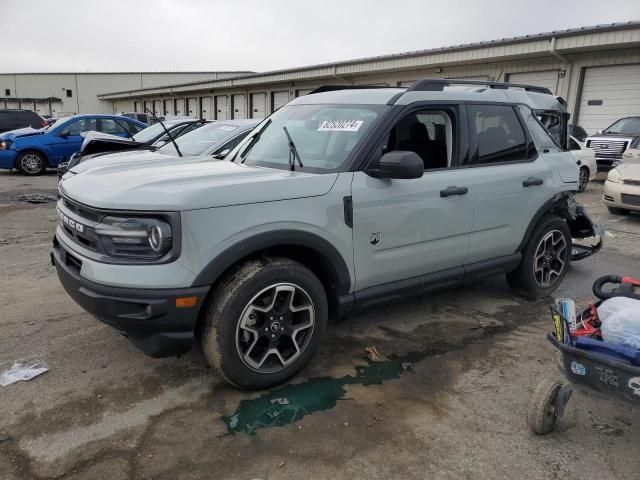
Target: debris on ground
(280, 401)
(374, 421)
(407, 366)
(281, 464)
(374, 355)
(36, 198)
(23, 370)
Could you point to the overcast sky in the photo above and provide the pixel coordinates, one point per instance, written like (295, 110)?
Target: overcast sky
(260, 35)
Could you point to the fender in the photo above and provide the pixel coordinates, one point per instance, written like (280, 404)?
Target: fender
(327, 252)
(39, 149)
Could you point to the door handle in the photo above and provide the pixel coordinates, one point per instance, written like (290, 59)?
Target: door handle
(450, 191)
(532, 181)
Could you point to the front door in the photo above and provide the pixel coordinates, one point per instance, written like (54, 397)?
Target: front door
(404, 229)
(66, 140)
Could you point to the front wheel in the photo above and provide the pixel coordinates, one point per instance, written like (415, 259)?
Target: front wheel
(31, 163)
(264, 322)
(545, 259)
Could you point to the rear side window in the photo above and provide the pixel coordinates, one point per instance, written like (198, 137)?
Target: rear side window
(108, 125)
(499, 135)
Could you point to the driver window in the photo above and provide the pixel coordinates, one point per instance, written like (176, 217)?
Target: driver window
(428, 133)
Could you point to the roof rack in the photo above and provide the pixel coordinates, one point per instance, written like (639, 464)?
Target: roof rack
(432, 85)
(333, 88)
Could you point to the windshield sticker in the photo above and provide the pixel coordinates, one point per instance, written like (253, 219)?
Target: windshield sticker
(340, 125)
(227, 128)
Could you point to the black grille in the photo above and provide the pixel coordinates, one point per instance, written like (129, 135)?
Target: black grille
(630, 199)
(612, 149)
(78, 224)
(632, 182)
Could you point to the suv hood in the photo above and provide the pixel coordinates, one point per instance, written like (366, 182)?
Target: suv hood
(102, 159)
(21, 132)
(189, 183)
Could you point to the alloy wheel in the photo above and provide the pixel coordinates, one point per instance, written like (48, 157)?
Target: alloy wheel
(550, 258)
(583, 179)
(275, 328)
(31, 163)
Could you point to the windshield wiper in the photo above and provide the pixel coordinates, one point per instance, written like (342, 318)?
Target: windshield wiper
(165, 131)
(252, 142)
(293, 152)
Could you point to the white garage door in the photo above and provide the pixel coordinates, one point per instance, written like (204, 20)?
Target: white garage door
(548, 79)
(192, 107)
(258, 105)
(279, 99)
(137, 106)
(609, 93)
(238, 106)
(56, 107)
(157, 108)
(148, 106)
(300, 93)
(206, 111)
(26, 105)
(180, 107)
(13, 104)
(169, 107)
(42, 108)
(222, 107)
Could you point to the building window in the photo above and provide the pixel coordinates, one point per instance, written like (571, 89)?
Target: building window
(69, 94)
(7, 92)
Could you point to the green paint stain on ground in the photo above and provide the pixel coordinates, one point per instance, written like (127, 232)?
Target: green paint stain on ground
(290, 403)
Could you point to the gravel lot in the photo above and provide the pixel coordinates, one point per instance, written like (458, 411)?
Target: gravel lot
(472, 356)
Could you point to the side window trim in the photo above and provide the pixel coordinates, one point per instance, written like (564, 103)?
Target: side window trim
(369, 156)
(473, 141)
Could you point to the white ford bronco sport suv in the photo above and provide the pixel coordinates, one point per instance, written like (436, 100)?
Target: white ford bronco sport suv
(341, 199)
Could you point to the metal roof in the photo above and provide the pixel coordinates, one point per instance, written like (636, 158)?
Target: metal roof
(189, 72)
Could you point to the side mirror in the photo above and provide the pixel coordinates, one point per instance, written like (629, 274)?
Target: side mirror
(398, 164)
(64, 133)
(222, 154)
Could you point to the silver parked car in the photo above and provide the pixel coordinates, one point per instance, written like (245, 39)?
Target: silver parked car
(341, 199)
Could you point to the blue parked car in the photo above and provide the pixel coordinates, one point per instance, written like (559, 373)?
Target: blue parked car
(31, 151)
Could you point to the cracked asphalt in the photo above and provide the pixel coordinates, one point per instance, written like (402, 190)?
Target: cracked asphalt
(105, 411)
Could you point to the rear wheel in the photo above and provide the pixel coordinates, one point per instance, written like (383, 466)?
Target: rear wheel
(31, 163)
(583, 179)
(617, 211)
(264, 322)
(545, 259)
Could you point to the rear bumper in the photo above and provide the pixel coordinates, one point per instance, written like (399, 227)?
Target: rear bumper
(149, 318)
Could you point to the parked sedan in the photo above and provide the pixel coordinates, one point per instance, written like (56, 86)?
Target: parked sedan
(150, 138)
(586, 160)
(31, 150)
(213, 140)
(622, 189)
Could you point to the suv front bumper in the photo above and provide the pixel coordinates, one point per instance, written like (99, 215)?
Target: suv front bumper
(149, 318)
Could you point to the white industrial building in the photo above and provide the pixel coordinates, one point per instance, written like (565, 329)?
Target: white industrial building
(62, 94)
(596, 69)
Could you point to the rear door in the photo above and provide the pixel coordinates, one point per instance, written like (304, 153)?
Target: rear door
(510, 181)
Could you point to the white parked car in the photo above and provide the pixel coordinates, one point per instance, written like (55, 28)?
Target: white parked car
(586, 160)
(622, 189)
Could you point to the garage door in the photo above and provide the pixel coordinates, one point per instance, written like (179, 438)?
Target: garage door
(279, 99)
(157, 108)
(222, 107)
(548, 79)
(192, 107)
(148, 106)
(169, 107)
(258, 105)
(42, 108)
(180, 107)
(56, 108)
(137, 106)
(238, 106)
(300, 93)
(609, 93)
(206, 111)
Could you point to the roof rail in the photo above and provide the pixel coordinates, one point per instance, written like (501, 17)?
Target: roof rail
(435, 85)
(333, 88)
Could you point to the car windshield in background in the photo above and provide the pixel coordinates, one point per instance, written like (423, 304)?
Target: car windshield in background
(627, 126)
(324, 136)
(56, 124)
(149, 133)
(202, 139)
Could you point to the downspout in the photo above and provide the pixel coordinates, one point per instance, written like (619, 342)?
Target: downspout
(554, 52)
(335, 74)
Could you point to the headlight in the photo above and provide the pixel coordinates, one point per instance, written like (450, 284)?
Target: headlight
(5, 144)
(135, 238)
(614, 176)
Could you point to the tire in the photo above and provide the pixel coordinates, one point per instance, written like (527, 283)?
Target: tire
(617, 211)
(264, 304)
(541, 417)
(544, 264)
(31, 163)
(583, 179)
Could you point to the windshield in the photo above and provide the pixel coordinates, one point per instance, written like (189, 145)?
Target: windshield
(56, 124)
(201, 139)
(324, 136)
(627, 126)
(150, 133)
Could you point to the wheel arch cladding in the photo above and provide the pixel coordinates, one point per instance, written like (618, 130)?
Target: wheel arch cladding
(316, 253)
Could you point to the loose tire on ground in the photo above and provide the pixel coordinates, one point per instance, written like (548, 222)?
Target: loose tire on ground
(541, 417)
(264, 304)
(526, 279)
(31, 163)
(617, 211)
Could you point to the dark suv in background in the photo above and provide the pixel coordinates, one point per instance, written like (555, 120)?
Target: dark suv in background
(15, 119)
